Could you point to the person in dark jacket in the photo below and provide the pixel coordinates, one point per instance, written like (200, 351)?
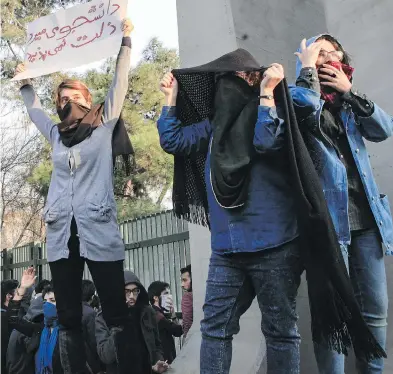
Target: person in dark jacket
(168, 325)
(143, 343)
(44, 334)
(89, 298)
(8, 288)
(20, 353)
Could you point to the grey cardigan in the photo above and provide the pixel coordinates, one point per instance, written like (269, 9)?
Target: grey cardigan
(82, 178)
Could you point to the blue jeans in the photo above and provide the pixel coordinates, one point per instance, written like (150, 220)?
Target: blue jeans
(365, 260)
(273, 276)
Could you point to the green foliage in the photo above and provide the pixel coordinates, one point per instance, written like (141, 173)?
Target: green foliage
(134, 208)
(41, 174)
(153, 172)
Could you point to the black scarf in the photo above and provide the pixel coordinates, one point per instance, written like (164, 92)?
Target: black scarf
(78, 123)
(232, 152)
(336, 317)
(195, 102)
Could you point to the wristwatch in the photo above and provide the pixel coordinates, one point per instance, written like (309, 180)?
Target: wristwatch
(267, 97)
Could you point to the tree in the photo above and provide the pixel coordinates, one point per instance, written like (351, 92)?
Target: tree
(21, 202)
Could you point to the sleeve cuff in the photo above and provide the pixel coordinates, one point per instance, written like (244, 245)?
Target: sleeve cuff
(347, 96)
(126, 42)
(26, 85)
(168, 111)
(309, 73)
(360, 104)
(263, 110)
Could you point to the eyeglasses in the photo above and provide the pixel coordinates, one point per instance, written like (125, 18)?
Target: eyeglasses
(339, 55)
(135, 292)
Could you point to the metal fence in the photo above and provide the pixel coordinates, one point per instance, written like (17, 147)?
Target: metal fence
(157, 246)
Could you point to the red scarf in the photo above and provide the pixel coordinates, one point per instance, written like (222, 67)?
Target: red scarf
(329, 94)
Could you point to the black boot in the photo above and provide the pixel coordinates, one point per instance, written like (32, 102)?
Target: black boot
(72, 352)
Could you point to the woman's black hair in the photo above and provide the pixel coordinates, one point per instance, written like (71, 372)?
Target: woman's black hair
(346, 59)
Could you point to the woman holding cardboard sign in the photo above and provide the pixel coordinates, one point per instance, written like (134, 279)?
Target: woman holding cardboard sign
(80, 212)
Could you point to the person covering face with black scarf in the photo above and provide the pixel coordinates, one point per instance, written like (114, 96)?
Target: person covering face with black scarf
(224, 124)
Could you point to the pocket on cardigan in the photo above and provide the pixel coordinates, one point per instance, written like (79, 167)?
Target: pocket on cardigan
(52, 213)
(99, 212)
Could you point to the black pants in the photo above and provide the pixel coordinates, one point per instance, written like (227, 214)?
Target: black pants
(108, 277)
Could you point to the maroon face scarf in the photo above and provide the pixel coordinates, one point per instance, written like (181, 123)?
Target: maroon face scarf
(329, 94)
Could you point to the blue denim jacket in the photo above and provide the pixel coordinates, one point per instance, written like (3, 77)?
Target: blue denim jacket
(333, 175)
(268, 218)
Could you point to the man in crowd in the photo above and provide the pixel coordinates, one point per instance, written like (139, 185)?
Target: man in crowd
(140, 335)
(187, 301)
(8, 288)
(40, 287)
(43, 333)
(168, 325)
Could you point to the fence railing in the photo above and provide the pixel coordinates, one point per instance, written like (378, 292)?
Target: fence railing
(157, 246)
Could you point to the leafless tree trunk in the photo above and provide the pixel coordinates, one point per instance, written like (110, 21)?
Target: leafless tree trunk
(20, 202)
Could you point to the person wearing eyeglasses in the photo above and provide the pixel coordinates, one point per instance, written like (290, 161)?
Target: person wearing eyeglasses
(335, 120)
(141, 342)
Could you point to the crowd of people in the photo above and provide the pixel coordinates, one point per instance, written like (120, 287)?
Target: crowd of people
(30, 326)
(281, 176)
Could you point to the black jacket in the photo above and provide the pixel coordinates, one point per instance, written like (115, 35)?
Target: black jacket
(168, 330)
(89, 335)
(32, 330)
(5, 336)
(148, 324)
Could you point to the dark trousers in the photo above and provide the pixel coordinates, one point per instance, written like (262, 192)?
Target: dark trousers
(273, 276)
(108, 277)
(67, 274)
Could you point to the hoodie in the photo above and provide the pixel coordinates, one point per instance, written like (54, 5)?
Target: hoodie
(147, 330)
(21, 349)
(32, 329)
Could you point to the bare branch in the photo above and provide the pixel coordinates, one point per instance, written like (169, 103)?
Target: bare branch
(12, 50)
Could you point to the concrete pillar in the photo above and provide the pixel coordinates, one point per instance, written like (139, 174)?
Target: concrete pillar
(271, 30)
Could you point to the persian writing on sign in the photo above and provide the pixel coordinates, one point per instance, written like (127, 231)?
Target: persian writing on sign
(73, 37)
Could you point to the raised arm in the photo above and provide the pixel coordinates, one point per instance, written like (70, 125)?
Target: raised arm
(269, 129)
(174, 138)
(34, 109)
(14, 320)
(118, 90)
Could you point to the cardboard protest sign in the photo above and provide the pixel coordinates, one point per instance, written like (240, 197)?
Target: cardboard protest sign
(73, 37)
